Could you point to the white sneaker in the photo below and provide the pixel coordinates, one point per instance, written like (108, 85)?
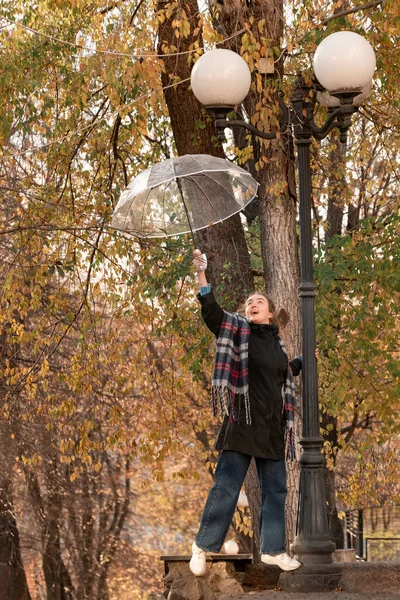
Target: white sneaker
(198, 561)
(284, 561)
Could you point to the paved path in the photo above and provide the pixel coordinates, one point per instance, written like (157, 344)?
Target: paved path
(336, 595)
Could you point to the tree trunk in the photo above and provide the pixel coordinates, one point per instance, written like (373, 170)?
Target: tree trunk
(277, 203)
(337, 188)
(13, 584)
(253, 493)
(195, 133)
(277, 214)
(58, 581)
(282, 278)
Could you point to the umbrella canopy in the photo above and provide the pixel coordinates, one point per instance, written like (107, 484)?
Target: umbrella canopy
(183, 194)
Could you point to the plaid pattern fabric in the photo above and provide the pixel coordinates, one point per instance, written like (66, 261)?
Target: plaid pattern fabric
(289, 402)
(230, 379)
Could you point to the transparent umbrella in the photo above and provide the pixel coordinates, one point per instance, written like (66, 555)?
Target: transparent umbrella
(182, 195)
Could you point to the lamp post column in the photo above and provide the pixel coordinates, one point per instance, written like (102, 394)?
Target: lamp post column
(313, 545)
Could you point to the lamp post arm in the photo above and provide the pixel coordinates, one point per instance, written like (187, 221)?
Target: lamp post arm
(340, 118)
(321, 132)
(221, 124)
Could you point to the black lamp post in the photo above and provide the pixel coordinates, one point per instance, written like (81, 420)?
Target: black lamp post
(344, 64)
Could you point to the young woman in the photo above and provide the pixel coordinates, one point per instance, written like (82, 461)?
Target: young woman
(251, 371)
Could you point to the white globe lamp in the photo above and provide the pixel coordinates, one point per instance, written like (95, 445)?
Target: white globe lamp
(220, 78)
(344, 62)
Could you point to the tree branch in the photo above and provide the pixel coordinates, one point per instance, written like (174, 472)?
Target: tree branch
(349, 11)
(356, 424)
(114, 142)
(135, 12)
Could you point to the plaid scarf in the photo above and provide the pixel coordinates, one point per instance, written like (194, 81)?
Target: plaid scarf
(230, 379)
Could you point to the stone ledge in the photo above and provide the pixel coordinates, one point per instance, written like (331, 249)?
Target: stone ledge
(235, 576)
(260, 577)
(373, 577)
(221, 578)
(239, 561)
(218, 556)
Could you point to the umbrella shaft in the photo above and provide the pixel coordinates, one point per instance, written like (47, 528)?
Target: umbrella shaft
(178, 181)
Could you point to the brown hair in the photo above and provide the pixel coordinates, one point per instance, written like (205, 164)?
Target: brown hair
(280, 318)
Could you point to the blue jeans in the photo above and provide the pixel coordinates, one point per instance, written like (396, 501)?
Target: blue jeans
(222, 500)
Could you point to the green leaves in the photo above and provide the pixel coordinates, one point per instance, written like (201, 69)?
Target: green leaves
(358, 329)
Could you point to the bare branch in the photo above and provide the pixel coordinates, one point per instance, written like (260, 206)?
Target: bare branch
(350, 11)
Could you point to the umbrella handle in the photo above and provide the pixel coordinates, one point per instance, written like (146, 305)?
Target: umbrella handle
(200, 255)
(194, 238)
(203, 267)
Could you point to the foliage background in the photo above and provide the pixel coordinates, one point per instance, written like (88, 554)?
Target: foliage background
(105, 424)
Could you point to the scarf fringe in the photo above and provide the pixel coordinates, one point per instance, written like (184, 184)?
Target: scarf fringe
(225, 397)
(290, 443)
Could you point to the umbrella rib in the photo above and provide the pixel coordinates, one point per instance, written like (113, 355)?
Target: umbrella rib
(178, 181)
(234, 178)
(210, 202)
(166, 186)
(143, 211)
(205, 195)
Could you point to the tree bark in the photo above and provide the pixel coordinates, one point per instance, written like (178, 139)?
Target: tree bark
(336, 187)
(13, 584)
(58, 581)
(278, 211)
(282, 279)
(277, 214)
(195, 133)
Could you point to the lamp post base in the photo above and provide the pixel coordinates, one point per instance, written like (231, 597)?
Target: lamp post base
(312, 578)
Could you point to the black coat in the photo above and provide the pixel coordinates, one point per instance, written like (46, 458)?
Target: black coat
(264, 438)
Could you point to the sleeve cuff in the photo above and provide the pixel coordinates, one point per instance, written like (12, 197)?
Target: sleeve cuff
(205, 289)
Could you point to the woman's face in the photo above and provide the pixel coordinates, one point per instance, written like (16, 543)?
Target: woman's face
(257, 309)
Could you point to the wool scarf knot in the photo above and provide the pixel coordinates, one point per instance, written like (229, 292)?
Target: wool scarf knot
(230, 379)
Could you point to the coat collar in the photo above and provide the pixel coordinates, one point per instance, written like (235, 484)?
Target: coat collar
(263, 328)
